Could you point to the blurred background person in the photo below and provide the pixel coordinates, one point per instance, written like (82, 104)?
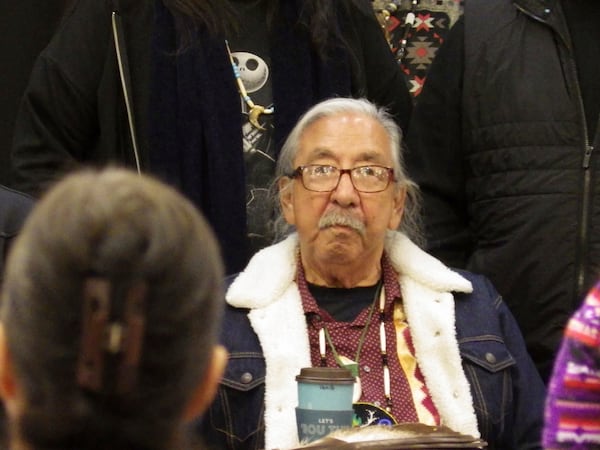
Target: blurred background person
(110, 308)
(573, 404)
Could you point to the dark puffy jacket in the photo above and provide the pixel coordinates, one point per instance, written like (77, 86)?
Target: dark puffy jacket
(499, 145)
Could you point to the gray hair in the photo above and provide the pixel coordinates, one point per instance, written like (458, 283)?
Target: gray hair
(411, 219)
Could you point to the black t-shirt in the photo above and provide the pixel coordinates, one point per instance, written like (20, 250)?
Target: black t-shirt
(344, 305)
(250, 51)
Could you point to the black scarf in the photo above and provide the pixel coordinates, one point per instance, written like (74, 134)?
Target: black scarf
(195, 129)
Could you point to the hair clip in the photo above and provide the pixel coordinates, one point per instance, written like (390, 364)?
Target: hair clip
(96, 310)
(122, 337)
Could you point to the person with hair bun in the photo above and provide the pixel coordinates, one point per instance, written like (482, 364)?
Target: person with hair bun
(110, 311)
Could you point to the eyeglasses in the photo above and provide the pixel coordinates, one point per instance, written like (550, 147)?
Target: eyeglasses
(323, 178)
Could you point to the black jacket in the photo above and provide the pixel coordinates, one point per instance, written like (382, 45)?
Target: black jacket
(74, 109)
(27, 27)
(500, 147)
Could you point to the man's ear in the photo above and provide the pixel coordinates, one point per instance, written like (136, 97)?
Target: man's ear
(398, 208)
(286, 194)
(8, 385)
(206, 389)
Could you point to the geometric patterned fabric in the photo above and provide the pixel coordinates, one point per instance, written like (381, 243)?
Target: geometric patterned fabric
(573, 403)
(433, 20)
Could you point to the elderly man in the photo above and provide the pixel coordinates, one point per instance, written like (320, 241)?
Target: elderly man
(428, 344)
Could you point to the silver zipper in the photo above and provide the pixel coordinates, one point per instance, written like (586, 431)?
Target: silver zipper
(125, 87)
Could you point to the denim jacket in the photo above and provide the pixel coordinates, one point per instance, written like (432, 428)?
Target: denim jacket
(474, 361)
(14, 208)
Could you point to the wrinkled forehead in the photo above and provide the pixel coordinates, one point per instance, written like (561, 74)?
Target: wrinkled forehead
(345, 136)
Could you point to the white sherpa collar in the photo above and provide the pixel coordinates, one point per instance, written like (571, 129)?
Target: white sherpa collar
(267, 287)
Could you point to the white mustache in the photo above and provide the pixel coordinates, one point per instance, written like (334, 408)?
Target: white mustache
(336, 218)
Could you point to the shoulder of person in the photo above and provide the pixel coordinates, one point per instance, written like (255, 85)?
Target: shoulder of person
(483, 289)
(14, 208)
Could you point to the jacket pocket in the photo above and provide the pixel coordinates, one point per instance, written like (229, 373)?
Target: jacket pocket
(489, 353)
(244, 371)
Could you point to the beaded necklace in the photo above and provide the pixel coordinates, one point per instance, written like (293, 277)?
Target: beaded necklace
(254, 110)
(409, 22)
(384, 12)
(351, 365)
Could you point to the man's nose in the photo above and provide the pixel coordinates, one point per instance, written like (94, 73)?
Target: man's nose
(345, 193)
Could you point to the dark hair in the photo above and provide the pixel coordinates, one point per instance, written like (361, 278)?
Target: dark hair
(125, 229)
(219, 18)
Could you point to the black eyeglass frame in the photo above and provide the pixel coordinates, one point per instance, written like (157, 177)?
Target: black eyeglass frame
(299, 171)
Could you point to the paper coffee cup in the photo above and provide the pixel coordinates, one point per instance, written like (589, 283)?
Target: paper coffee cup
(324, 401)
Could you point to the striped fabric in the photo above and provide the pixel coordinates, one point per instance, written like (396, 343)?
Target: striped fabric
(573, 404)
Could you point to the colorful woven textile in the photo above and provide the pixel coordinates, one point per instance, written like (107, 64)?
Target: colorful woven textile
(573, 403)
